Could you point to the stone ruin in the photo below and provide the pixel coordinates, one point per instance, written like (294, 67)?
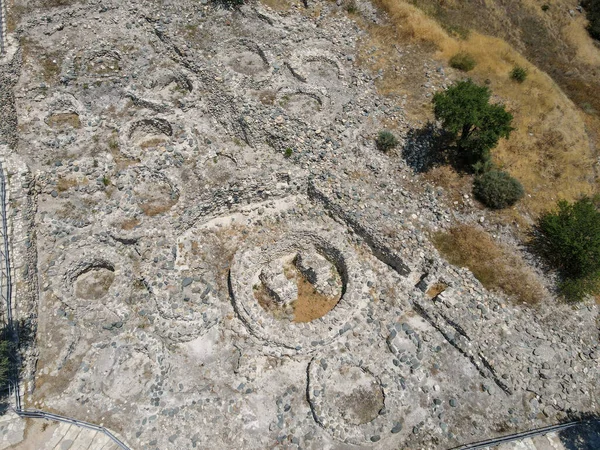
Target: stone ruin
(211, 253)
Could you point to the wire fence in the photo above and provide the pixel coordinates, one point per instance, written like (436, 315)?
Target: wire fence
(12, 330)
(3, 26)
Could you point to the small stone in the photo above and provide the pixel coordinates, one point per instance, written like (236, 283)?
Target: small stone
(397, 428)
(375, 438)
(453, 403)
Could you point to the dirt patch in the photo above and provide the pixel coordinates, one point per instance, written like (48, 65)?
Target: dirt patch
(356, 394)
(130, 224)
(155, 197)
(152, 143)
(64, 184)
(247, 63)
(300, 103)
(309, 305)
(64, 120)
(436, 290)
(94, 283)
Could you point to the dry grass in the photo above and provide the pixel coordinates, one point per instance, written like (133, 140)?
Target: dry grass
(309, 305)
(278, 5)
(64, 120)
(64, 184)
(549, 152)
(130, 224)
(154, 208)
(436, 290)
(455, 184)
(496, 266)
(47, 64)
(152, 143)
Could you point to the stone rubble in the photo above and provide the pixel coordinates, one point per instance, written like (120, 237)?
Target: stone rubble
(173, 152)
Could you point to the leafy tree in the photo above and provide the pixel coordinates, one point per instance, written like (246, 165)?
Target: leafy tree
(475, 124)
(569, 239)
(592, 9)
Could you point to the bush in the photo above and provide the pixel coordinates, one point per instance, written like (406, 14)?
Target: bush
(386, 141)
(518, 74)
(497, 189)
(469, 118)
(571, 237)
(592, 9)
(545, 7)
(229, 4)
(463, 61)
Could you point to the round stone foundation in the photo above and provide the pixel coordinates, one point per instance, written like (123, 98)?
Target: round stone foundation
(93, 276)
(299, 336)
(355, 404)
(94, 282)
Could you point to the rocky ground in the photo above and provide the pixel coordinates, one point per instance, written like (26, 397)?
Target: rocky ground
(182, 156)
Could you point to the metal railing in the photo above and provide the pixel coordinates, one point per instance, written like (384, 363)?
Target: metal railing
(3, 27)
(35, 414)
(6, 297)
(523, 435)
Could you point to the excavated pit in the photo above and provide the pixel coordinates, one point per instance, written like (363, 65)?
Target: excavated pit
(274, 298)
(299, 293)
(94, 282)
(301, 103)
(356, 396)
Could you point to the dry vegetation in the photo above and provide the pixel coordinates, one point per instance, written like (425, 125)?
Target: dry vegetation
(496, 266)
(550, 152)
(64, 120)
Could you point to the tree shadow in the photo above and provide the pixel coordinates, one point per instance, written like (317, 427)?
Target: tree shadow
(431, 146)
(585, 436)
(15, 338)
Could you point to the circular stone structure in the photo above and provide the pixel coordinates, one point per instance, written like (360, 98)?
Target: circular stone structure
(95, 276)
(351, 401)
(95, 281)
(245, 276)
(246, 58)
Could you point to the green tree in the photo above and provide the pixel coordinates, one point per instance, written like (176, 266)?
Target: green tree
(569, 239)
(592, 9)
(475, 124)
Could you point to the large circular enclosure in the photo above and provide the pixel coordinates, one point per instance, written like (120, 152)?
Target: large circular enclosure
(355, 402)
(300, 292)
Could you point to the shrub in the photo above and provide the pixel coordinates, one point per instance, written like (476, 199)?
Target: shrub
(463, 61)
(474, 123)
(545, 7)
(288, 152)
(592, 9)
(518, 74)
(497, 189)
(569, 239)
(351, 7)
(386, 141)
(229, 3)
